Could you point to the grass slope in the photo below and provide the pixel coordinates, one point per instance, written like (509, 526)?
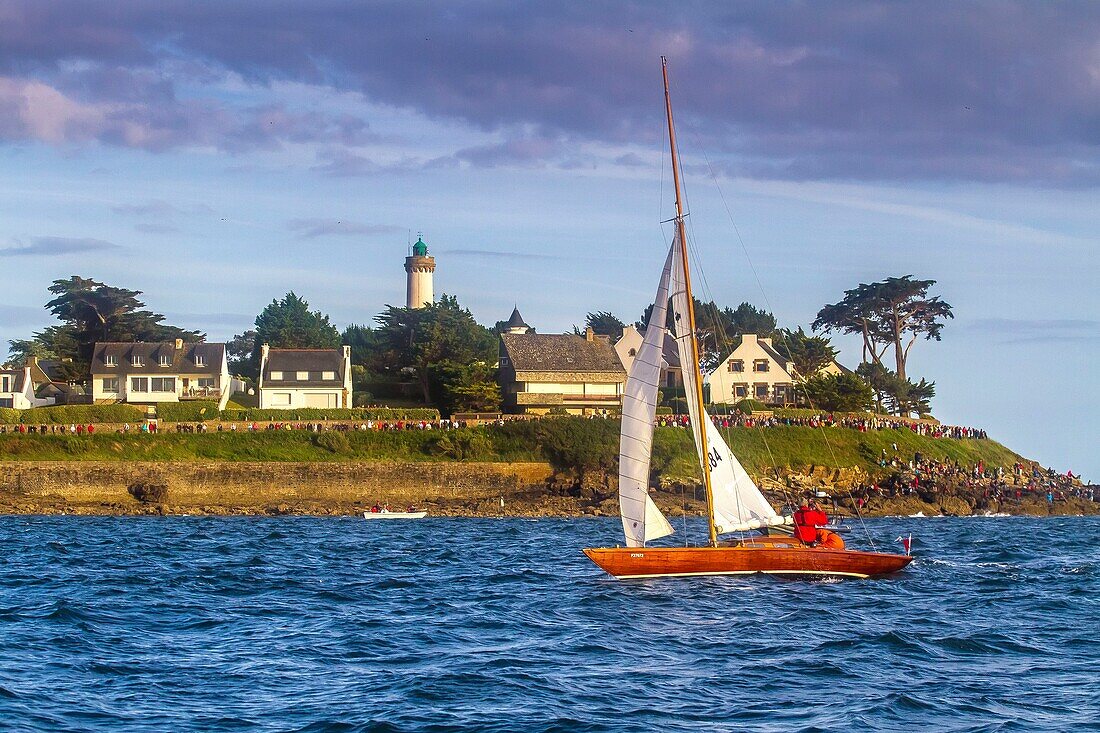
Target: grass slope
(566, 443)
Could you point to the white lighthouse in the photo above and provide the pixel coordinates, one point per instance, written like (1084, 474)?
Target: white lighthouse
(419, 266)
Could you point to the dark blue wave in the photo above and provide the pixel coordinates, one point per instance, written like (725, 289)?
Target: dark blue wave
(295, 624)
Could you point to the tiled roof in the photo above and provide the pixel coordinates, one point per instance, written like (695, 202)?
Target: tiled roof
(181, 361)
(545, 352)
(313, 361)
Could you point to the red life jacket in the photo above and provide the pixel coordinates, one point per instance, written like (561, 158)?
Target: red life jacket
(806, 522)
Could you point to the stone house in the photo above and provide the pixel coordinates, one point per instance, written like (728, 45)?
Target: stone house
(301, 378)
(150, 372)
(579, 374)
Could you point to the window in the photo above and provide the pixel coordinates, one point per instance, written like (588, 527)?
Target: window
(110, 384)
(276, 376)
(760, 365)
(136, 360)
(110, 360)
(328, 375)
(164, 360)
(200, 360)
(163, 384)
(741, 391)
(280, 398)
(302, 376)
(5, 383)
(737, 365)
(206, 382)
(139, 384)
(761, 391)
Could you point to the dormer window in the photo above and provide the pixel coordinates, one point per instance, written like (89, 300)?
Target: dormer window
(200, 361)
(328, 375)
(164, 360)
(302, 376)
(276, 376)
(110, 360)
(136, 360)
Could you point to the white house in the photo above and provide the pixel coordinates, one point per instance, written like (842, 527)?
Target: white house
(17, 390)
(627, 348)
(757, 370)
(297, 378)
(148, 372)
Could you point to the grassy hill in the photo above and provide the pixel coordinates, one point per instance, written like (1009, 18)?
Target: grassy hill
(566, 443)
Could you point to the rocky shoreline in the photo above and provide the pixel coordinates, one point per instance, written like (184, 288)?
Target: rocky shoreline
(452, 489)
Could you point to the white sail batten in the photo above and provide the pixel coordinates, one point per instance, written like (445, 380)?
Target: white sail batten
(642, 520)
(737, 500)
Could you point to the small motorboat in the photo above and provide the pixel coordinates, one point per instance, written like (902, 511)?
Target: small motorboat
(394, 515)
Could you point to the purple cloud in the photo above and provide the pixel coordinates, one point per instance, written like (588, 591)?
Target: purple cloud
(992, 91)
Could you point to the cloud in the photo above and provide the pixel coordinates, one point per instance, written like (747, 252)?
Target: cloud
(57, 246)
(148, 228)
(939, 91)
(310, 228)
(524, 152)
(1023, 330)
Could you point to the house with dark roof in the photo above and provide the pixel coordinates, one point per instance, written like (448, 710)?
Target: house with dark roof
(541, 372)
(757, 370)
(297, 378)
(149, 372)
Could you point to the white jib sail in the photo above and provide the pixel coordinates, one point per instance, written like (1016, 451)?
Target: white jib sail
(642, 520)
(736, 499)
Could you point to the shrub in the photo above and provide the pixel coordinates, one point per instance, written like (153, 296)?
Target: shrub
(333, 442)
(196, 411)
(148, 493)
(10, 416)
(461, 445)
(748, 406)
(662, 410)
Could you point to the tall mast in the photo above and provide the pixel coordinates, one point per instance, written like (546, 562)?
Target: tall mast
(698, 381)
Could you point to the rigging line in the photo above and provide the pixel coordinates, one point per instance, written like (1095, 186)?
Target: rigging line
(723, 339)
(767, 303)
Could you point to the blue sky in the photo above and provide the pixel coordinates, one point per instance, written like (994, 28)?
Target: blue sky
(216, 156)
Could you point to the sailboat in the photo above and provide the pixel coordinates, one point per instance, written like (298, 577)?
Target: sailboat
(735, 505)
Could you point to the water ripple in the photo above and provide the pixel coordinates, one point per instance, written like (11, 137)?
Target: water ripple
(293, 624)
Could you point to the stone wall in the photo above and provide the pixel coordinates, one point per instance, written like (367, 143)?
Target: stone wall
(247, 487)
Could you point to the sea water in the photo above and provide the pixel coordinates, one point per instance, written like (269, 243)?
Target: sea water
(304, 624)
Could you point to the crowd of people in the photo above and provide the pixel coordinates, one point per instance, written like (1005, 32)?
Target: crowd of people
(862, 424)
(930, 479)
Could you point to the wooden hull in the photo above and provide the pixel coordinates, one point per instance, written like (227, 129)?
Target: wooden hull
(775, 558)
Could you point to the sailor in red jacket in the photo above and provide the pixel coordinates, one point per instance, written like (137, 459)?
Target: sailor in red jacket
(806, 521)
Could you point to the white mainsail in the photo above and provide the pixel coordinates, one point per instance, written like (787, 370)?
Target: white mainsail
(642, 520)
(736, 500)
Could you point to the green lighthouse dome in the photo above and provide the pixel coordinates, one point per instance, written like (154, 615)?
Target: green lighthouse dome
(420, 249)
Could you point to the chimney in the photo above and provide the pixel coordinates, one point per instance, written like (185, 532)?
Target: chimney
(589, 334)
(179, 344)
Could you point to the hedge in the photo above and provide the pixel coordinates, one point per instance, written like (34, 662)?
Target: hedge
(68, 414)
(317, 413)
